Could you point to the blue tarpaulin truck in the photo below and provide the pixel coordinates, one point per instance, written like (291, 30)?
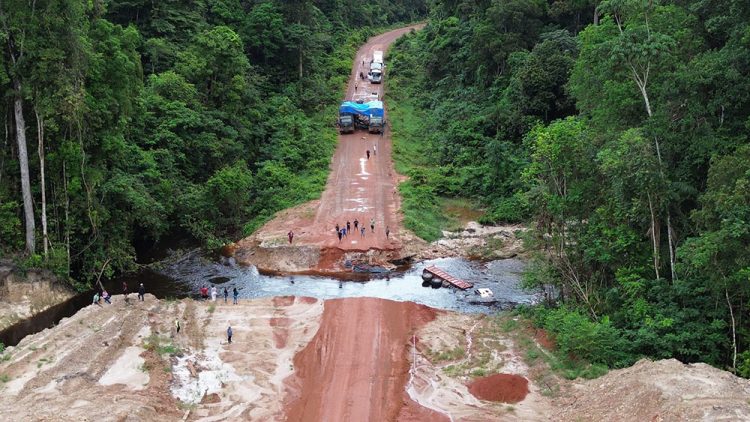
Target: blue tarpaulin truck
(368, 116)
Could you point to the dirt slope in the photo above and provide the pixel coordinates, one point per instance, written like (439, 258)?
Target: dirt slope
(357, 188)
(665, 390)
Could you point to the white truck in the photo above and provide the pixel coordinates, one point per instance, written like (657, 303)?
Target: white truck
(376, 67)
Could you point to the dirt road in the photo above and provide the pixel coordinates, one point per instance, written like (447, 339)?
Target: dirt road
(356, 366)
(357, 188)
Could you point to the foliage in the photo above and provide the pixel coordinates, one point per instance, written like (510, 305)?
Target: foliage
(622, 142)
(187, 120)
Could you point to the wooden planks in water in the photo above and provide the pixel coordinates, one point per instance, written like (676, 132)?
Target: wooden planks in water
(456, 282)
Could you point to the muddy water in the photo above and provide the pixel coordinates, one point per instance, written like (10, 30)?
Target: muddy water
(185, 276)
(502, 277)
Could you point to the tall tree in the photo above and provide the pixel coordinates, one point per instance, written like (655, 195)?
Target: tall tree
(15, 16)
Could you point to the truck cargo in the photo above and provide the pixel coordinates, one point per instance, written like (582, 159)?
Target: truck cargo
(354, 115)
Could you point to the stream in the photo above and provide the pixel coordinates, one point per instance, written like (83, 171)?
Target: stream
(183, 277)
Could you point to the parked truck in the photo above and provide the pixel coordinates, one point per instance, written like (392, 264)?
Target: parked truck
(376, 68)
(353, 115)
(346, 123)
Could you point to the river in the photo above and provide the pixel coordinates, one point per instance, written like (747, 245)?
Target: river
(183, 277)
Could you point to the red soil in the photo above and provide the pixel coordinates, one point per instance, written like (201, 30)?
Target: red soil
(280, 331)
(283, 300)
(356, 366)
(506, 388)
(544, 339)
(307, 300)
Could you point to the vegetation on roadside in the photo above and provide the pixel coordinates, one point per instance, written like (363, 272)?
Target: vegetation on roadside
(183, 119)
(618, 130)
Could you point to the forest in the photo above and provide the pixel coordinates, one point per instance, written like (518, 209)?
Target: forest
(617, 131)
(127, 121)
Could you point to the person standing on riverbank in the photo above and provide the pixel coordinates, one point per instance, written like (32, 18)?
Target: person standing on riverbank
(125, 289)
(387, 232)
(213, 293)
(362, 231)
(235, 295)
(141, 292)
(226, 294)
(372, 224)
(291, 236)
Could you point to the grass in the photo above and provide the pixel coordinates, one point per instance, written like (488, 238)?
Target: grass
(447, 355)
(211, 308)
(183, 405)
(4, 378)
(161, 345)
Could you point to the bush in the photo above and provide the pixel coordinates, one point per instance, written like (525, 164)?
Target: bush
(580, 338)
(514, 209)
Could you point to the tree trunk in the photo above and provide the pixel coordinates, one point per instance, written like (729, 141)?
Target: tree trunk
(734, 333)
(23, 159)
(654, 232)
(42, 183)
(67, 215)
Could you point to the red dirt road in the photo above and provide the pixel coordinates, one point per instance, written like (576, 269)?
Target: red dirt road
(357, 188)
(356, 366)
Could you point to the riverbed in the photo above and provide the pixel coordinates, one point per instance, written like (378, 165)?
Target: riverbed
(185, 276)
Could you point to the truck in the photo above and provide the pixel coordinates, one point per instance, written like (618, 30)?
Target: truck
(375, 76)
(345, 123)
(354, 115)
(377, 57)
(376, 124)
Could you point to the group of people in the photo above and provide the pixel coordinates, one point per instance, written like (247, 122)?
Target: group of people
(345, 230)
(205, 292)
(104, 295)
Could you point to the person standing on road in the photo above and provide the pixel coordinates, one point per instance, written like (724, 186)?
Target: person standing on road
(387, 232)
(141, 292)
(177, 325)
(291, 236)
(229, 334)
(235, 295)
(356, 224)
(340, 234)
(226, 294)
(348, 226)
(372, 224)
(368, 154)
(375, 149)
(355, 87)
(362, 231)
